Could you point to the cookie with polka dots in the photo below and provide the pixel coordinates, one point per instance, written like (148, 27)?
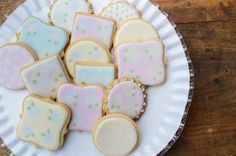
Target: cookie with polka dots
(85, 102)
(14, 57)
(44, 39)
(94, 27)
(116, 135)
(143, 61)
(120, 12)
(43, 122)
(86, 50)
(94, 73)
(126, 96)
(63, 12)
(45, 76)
(135, 30)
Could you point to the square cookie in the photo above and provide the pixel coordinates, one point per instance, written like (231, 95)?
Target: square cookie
(43, 78)
(94, 73)
(93, 27)
(143, 61)
(43, 122)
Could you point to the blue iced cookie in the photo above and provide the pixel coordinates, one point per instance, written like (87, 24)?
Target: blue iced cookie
(44, 39)
(94, 73)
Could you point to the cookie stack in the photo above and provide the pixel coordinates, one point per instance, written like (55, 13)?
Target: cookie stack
(74, 82)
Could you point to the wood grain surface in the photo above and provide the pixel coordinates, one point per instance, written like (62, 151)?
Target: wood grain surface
(209, 30)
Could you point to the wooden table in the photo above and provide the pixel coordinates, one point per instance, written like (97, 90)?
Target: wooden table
(209, 29)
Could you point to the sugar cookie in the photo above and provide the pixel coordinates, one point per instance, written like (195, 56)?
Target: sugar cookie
(135, 30)
(43, 122)
(43, 77)
(95, 27)
(126, 96)
(62, 12)
(116, 135)
(120, 12)
(141, 60)
(85, 103)
(14, 57)
(44, 39)
(86, 51)
(94, 73)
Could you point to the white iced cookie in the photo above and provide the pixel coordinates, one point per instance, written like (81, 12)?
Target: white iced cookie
(86, 51)
(43, 122)
(116, 135)
(120, 12)
(135, 30)
(63, 12)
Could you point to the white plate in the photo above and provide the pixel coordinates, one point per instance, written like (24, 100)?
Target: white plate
(168, 104)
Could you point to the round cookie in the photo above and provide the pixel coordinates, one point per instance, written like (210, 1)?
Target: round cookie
(120, 12)
(135, 30)
(86, 51)
(63, 11)
(14, 57)
(126, 96)
(116, 135)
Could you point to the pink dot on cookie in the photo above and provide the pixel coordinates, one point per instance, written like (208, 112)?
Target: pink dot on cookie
(126, 96)
(85, 103)
(14, 57)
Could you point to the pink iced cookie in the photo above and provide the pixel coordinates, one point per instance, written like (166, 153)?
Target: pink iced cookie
(143, 61)
(14, 57)
(93, 27)
(126, 96)
(85, 103)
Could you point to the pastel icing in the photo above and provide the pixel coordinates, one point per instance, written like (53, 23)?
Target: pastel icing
(125, 97)
(95, 27)
(86, 51)
(120, 12)
(43, 122)
(116, 135)
(63, 12)
(45, 40)
(85, 103)
(102, 74)
(44, 77)
(135, 30)
(143, 61)
(14, 57)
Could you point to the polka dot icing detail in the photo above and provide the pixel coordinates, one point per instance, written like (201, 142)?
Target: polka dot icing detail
(86, 51)
(143, 61)
(120, 12)
(126, 96)
(63, 12)
(43, 122)
(85, 103)
(44, 77)
(95, 27)
(135, 30)
(45, 40)
(13, 58)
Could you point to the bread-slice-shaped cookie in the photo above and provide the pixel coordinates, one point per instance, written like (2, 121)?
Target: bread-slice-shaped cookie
(44, 39)
(143, 61)
(86, 50)
(85, 102)
(135, 30)
(116, 135)
(126, 96)
(43, 77)
(94, 73)
(14, 57)
(63, 12)
(95, 27)
(43, 122)
(120, 12)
